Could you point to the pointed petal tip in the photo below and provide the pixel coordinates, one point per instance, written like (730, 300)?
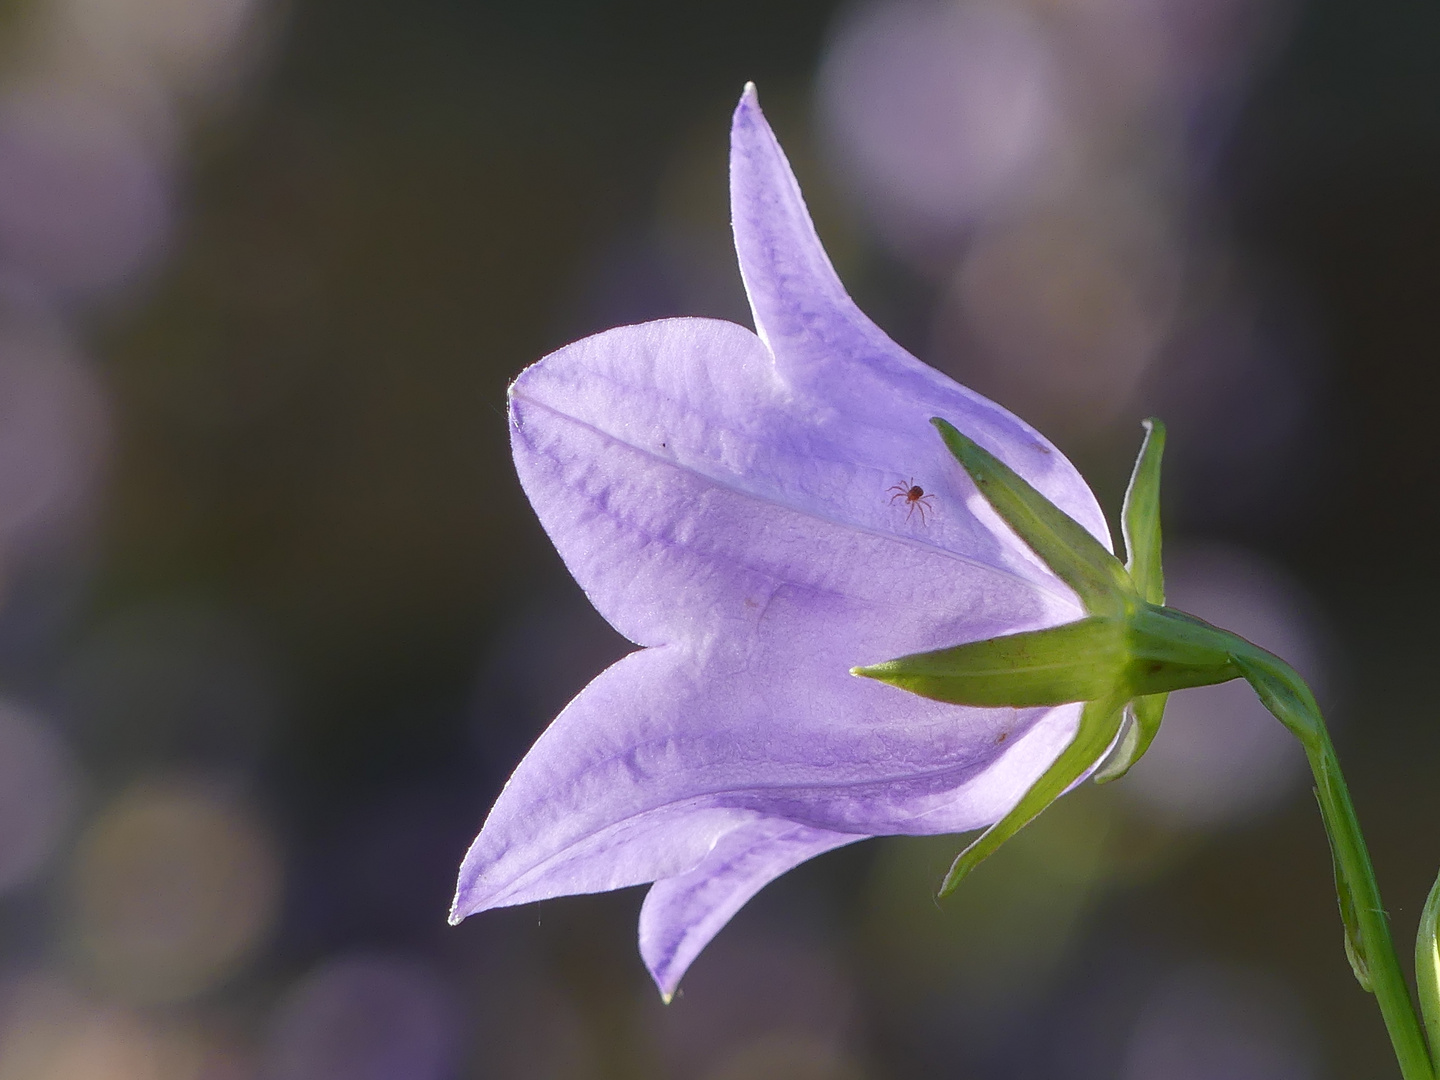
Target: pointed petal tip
(748, 107)
(456, 916)
(467, 903)
(667, 981)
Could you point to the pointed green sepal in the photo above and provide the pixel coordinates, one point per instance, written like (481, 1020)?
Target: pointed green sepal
(1075, 556)
(1123, 753)
(1099, 723)
(1075, 661)
(1143, 717)
(1427, 968)
(1140, 517)
(1140, 527)
(1143, 655)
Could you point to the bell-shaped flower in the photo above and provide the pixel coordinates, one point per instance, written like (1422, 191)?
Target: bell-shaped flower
(761, 513)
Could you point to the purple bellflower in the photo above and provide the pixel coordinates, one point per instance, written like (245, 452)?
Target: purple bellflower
(743, 506)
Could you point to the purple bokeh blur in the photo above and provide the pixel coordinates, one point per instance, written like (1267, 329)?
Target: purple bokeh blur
(276, 622)
(364, 1018)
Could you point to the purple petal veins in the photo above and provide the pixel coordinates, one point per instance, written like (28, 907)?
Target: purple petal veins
(723, 499)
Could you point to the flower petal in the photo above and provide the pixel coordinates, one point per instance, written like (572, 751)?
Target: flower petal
(764, 515)
(828, 349)
(681, 914)
(567, 820)
(683, 484)
(664, 753)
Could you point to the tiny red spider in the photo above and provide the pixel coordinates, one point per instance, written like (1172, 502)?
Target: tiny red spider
(914, 496)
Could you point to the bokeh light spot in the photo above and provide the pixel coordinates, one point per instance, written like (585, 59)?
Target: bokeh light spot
(1059, 314)
(38, 781)
(365, 1018)
(85, 203)
(174, 887)
(1000, 941)
(936, 110)
(50, 1031)
(53, 427)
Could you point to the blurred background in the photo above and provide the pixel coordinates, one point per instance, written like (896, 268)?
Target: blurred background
(276, 622)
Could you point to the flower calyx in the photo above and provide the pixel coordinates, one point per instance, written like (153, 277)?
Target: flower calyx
(1120, 660)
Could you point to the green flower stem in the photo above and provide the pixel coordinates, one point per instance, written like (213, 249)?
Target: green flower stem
(1371, 949)
(1127, 654)
(1391, 992)
(1427, 968)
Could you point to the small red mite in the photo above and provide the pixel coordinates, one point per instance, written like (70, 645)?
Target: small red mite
(914, 496)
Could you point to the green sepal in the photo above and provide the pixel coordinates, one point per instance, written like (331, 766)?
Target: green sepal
(1123, 753)
(1075, 661)
(1075, 557)
(1140, 517)
(1143, 655)
(1099, 723)
(1143, 717)
(1140, 528)
(1427, 968)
